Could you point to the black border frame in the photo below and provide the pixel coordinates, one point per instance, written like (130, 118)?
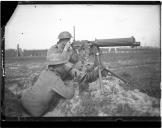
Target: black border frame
(65, 121)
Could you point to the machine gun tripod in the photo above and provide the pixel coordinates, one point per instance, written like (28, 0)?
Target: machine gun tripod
(101, 66)
(95, 51)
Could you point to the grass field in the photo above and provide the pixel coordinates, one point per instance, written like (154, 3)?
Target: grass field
(141, 69)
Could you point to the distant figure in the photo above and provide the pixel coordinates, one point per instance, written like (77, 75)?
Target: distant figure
(55, 82)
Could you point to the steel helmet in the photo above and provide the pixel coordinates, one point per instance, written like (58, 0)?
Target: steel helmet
(64, 35)
(55, 59)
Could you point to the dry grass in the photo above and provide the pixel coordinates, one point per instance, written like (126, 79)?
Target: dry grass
(23, 72)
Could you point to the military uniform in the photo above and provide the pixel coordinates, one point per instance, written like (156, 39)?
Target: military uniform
(55, 79)
(37, 98)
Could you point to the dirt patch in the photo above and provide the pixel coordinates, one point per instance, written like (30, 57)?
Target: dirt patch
(115, 101)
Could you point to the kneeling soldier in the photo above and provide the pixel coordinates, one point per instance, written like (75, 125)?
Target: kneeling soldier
(54, 82)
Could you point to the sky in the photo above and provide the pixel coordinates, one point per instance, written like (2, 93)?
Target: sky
(38, 26)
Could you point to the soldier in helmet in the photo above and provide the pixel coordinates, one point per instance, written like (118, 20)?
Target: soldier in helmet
(54, 82)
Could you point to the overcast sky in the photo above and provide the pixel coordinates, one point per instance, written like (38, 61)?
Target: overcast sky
(38, 26)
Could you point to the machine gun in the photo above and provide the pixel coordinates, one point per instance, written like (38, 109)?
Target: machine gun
(95, 50)
(108, 42)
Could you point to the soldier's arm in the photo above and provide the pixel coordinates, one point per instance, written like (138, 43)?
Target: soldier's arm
(93, 75)
(90, 76)
(73, 71)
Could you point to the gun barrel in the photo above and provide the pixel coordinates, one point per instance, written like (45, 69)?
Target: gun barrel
(116, 42)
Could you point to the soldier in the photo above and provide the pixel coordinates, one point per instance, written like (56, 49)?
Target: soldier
(55, 82)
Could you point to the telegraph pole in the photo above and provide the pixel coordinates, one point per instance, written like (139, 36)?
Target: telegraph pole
(74, 32)
(18, 52)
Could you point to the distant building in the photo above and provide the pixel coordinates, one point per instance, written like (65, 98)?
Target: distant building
(35, 52)
(10, 53)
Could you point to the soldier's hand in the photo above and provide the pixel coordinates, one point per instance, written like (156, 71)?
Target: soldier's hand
(76, 73)
(67, 46)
